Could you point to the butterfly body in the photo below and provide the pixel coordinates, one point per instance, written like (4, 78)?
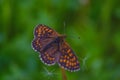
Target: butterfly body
(53, 48)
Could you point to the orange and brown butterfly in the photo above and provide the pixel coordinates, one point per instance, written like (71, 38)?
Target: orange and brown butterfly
(53, 48)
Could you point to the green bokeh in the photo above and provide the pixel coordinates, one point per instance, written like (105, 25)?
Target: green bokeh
(96, 22)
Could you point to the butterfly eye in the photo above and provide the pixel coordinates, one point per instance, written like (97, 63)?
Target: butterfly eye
(61, 40)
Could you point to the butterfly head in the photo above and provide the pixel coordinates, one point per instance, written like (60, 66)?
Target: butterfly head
(62, 36)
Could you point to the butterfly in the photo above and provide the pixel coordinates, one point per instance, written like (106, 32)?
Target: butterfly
(53, 48)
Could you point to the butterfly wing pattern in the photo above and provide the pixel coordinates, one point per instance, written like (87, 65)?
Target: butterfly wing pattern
(43, 37)
(52, 48)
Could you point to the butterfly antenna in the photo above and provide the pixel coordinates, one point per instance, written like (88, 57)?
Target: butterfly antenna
(64, 27)
(74, 35)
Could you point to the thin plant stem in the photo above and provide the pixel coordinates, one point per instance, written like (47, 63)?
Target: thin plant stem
(64, 77)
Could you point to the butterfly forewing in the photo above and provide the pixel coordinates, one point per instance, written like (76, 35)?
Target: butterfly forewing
(40, 43)
(43, 31)
(68, 59)
(43, 36)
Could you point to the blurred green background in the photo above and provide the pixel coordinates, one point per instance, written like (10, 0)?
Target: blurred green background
(96, 22)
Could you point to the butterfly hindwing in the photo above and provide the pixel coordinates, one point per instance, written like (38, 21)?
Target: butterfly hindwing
(48, 55)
